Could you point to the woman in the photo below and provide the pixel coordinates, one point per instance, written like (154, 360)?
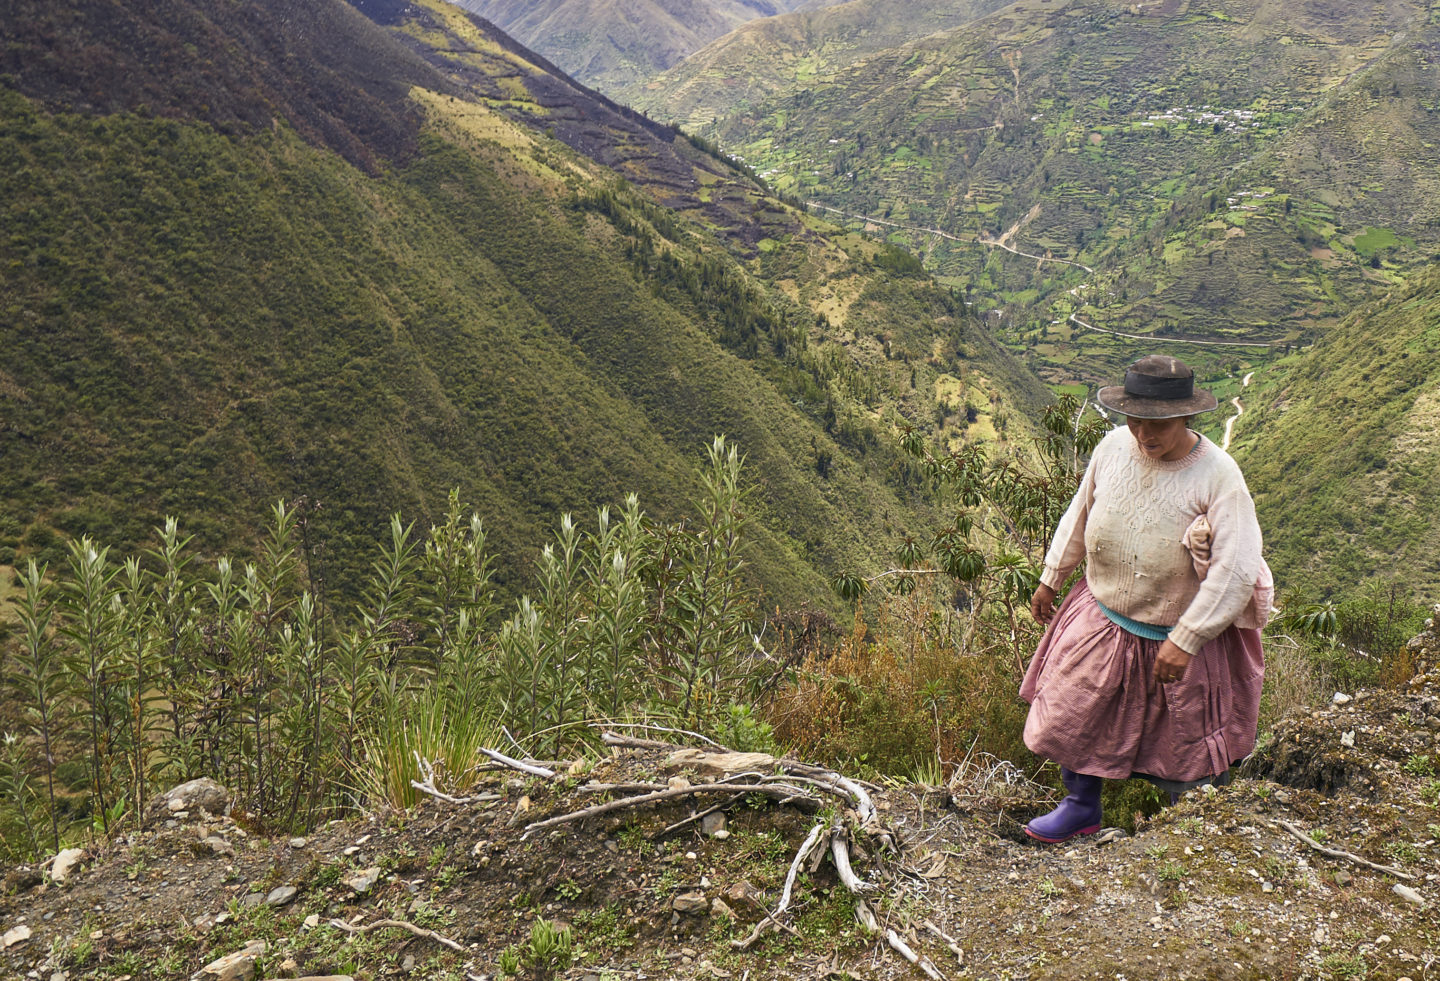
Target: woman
(1144, 671)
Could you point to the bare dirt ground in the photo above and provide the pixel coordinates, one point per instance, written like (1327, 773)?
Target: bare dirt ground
(1214, 887)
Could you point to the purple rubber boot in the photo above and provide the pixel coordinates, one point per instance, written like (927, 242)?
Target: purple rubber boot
(1078, 813)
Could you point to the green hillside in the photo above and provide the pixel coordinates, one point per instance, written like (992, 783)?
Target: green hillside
(1341, 445)
(1230, 171)
(787, 54)
(373, 287)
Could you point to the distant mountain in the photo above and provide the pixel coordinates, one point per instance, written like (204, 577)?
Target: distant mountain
(1230, 171)
(788, 54)
(361, 260)
(614, 44)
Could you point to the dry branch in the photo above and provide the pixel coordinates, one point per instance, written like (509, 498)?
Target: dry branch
(1339, 853)
(778, 791)
(427, 786)
(514, 764)
(785, 894)
(399, 924)
(840, 851)
(903, 949)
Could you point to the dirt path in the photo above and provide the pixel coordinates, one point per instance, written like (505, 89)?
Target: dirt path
(1169, 340)
(993, 243)
(1239, 411)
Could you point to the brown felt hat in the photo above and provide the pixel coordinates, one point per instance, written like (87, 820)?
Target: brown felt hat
(1157, 387)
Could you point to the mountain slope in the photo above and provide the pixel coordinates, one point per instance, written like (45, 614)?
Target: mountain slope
(1341, 445)
(1230, 171)
(209, 305)
(613, 44)
(786, 54)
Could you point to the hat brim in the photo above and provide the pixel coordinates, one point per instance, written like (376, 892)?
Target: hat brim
(1113, 397)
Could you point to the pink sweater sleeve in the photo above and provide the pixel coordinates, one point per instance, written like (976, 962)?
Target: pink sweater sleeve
(1067, 547)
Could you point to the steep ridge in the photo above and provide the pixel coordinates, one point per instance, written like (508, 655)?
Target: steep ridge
(207, 308)
(783, 55)
(1341, 445)
(614, 44)
(1232, 171)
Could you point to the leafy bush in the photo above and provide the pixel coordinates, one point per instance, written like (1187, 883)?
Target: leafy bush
(151, 671)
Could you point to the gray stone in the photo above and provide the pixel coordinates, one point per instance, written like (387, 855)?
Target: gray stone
(718, 907)
(218, 845)
(281, 895)
(239, 966)
(298, 842)
(690, 903)
(712, 822)
(364, 880)
(1408, 894)
(63, 863)
(16, 935)
(203, 793)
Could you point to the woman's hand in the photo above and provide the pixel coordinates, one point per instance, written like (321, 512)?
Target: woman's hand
(1042, 604)
(1171, 662)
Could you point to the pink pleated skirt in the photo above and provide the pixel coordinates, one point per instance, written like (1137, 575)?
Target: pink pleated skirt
(1096, 707)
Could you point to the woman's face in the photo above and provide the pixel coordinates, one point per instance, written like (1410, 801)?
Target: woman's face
(1162, 439)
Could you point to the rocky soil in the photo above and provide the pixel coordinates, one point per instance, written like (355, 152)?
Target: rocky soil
(1219, 886)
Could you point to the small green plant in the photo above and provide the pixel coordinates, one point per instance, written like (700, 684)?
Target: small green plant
(569, 890)
(437, 856)
(1048, 888)
(1319, 834)
(508, 963)
(1171, 871)
(550, 947)
(448, 876)
(1403, 852)
(1157, 851)
(1431, 792)
(1420, 765)
(1239, 928)
(1345, 966)
(666, 883)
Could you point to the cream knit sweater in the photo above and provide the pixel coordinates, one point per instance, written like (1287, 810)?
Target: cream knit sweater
(1127, 521)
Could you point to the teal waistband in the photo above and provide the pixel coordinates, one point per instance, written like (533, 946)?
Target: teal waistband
(1147, 630)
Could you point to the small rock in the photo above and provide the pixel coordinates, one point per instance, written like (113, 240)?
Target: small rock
(678, 783)
(281, 895)
(1343, 878)
(312, 921)
(1408, 894)
(690, 903)
(239, 966)
(721, 835)
(1340, 698)
(743, 892)
(691, 856)
(252, 899)
(1347, 738)
(298, 842)
(718, 907)
(351, 850)
(289, 968)
(363, 881)
(1267, 886)
(17, 935)
(319, 977)
(204, 794)
(712, 822)
(408, 964)
(62, 864)
(218, 845)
